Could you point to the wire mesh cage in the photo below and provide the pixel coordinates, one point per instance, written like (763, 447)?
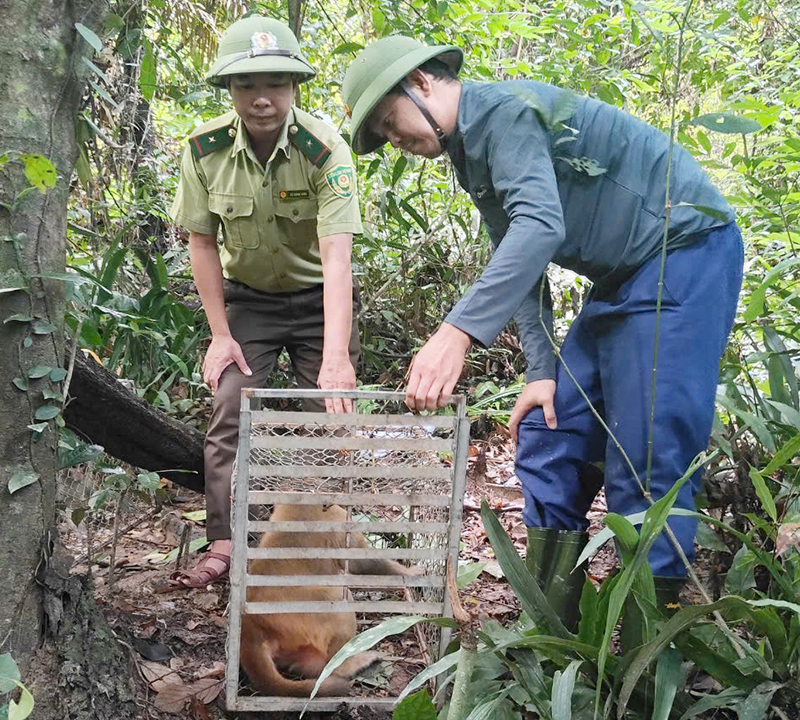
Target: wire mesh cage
(399, 479)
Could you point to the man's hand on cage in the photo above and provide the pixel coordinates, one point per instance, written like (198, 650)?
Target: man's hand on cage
(436, 368)
(337, 374)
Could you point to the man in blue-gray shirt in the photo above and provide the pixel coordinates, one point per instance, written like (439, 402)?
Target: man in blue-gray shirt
(566, 179)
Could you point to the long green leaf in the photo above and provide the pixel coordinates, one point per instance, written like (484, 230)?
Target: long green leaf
(755, 423)
(669, 677)
(763, 494)
(430, 672)
(590, 610)
(712, 662)
(756, 704)
(725, 122)
(781, 355)
(679, 622)
(725, 698)
(147, 72)
(485, 710)
(767, 620)
(527, 589)
(111, 263)
(89, 36)
(563, 685)
(757, 299)
(654, 520)
(788, 451)
(371, 637)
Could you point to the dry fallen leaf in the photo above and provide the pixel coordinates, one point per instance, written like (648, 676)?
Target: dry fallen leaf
(207, 689)
(207, 601)
(174, 698)
(158, 676)
(217, 669)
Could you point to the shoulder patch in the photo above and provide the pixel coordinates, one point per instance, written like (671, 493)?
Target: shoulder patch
(341, 180)
(209, 142)
(308, 144)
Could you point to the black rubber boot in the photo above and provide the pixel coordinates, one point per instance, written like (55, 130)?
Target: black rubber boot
(551, 557)
(668, 591)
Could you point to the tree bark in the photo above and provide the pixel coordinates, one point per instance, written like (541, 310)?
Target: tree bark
(103, 410)
(41, 81)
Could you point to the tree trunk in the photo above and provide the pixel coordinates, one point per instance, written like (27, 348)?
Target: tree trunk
(103, 410)
(40, 89)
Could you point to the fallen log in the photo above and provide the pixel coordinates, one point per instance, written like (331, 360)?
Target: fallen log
(102, 410)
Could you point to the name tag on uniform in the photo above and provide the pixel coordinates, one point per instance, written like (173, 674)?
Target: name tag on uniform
(294, 194)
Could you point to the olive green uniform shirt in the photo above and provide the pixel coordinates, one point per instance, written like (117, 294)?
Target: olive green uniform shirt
(271, 216)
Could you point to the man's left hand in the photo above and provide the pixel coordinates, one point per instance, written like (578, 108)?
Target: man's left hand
(337, 374)
(436, 368)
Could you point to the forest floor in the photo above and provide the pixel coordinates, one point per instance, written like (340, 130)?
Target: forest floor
(178, 638)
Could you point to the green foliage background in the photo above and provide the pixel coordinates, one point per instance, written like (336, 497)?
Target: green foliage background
(735, 95)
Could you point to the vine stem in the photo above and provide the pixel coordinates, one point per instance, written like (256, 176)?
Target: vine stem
(667, 216)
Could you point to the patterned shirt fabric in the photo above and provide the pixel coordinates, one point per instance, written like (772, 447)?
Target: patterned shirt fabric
(271, 216)
(568, 179)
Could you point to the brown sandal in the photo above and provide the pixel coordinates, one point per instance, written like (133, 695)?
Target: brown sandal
(201, 575)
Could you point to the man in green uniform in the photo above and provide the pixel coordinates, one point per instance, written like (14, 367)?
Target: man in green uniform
(280, 185)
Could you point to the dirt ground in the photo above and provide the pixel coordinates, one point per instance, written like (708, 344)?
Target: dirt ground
(177, 638)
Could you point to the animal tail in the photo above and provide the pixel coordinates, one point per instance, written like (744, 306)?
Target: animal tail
(257, 661)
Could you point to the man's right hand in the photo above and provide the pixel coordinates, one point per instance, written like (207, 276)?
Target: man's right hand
(223, 351)
(539, 393)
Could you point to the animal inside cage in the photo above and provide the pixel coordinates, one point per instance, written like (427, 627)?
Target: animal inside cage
(399, 479)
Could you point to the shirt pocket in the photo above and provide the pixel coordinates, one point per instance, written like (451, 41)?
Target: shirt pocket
(297, 225)
(238, 222)
(297, 210)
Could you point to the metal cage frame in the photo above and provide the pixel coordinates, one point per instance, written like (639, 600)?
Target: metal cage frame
(244, 496)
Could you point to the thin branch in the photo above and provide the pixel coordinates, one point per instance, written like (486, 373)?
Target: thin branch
(667, 216)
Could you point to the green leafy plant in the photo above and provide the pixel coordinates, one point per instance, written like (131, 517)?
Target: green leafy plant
(9, 681)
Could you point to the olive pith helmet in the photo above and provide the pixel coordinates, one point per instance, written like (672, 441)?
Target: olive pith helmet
(258, 44)
(375, 71)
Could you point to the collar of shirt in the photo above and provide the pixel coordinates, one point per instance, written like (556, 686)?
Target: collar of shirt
(241, 142)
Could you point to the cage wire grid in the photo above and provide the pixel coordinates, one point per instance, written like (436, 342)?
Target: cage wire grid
(401, 479)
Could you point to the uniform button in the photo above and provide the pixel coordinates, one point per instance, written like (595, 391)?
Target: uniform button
(265, 183)
(293, 129)
(229, 209)
(270, 218)
(295, 212)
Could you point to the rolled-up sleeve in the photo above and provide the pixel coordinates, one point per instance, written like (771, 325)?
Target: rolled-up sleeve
(521, 170)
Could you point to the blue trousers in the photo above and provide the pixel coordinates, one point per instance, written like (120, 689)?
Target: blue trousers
(609, 350)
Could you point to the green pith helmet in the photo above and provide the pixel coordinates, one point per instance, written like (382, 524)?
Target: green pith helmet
(258, 44)
(376, 70)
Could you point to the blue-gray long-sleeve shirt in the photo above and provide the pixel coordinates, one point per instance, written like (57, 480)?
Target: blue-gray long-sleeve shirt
(588, 194)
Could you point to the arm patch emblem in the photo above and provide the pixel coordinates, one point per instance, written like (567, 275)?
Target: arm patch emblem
(341, 180)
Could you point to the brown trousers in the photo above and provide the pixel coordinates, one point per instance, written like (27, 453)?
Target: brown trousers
(263, 324)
